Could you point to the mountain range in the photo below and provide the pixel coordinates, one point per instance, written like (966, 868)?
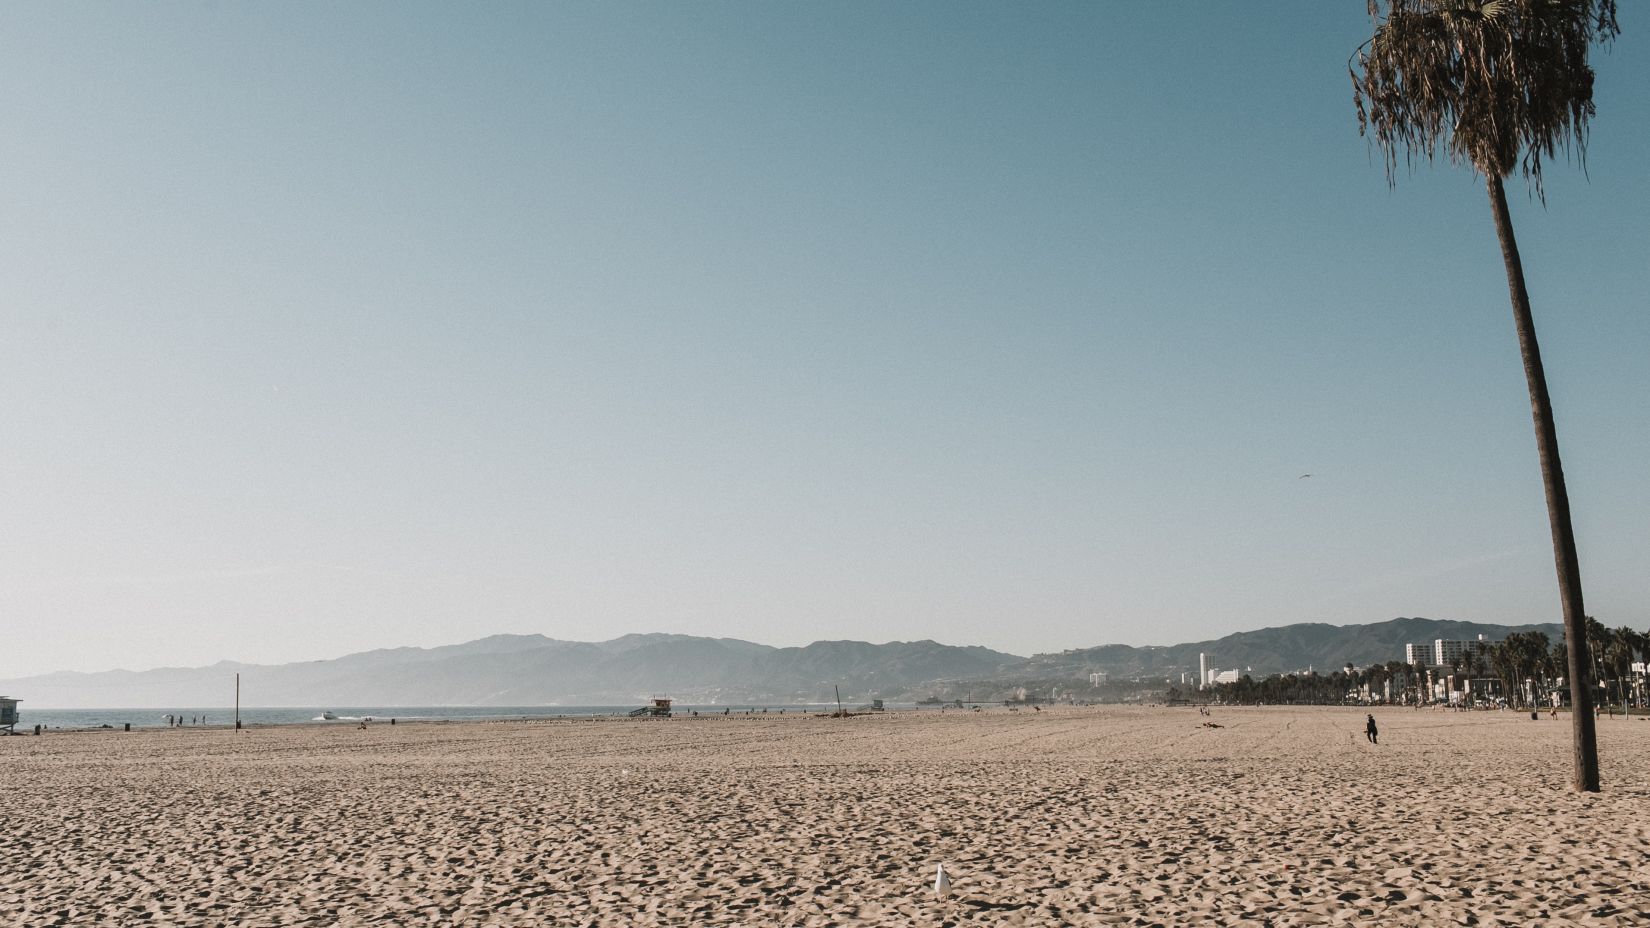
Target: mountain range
(1277, 650)
(533, 670)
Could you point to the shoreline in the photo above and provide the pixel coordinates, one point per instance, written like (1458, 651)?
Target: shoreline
(283, 716)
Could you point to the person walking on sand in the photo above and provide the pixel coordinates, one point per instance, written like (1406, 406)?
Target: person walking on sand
(1370, 731)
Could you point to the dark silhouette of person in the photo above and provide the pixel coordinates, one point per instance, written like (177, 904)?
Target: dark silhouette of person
(1370, 731)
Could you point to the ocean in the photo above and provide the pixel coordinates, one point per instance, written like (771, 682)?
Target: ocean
(297, 715)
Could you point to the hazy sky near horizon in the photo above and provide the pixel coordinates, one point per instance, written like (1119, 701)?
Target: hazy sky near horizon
(334, 326)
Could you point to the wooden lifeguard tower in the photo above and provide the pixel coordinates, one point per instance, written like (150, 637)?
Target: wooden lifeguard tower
(660, 708)
(8, 714)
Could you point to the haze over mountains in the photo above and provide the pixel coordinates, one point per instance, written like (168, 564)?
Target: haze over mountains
(1279, 650)
(532, 670)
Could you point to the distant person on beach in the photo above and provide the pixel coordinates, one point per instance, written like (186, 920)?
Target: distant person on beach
(1370, 731)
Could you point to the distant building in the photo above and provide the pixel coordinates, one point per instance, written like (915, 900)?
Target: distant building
(1225, 676)
(1202, 670)
(1097, 678)
(1444, 652)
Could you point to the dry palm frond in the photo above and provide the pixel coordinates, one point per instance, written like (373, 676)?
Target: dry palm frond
(1498, 84)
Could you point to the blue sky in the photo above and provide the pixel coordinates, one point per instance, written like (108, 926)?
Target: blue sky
(329, 327)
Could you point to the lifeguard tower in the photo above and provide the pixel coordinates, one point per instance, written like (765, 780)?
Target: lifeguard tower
(660, 708)
(8, 714)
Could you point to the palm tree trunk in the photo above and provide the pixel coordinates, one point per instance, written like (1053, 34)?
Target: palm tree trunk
(1558, 501)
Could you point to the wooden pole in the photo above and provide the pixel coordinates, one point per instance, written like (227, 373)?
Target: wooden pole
(237, 702)
(838, 700)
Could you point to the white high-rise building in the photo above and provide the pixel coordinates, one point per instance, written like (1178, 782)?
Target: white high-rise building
(1202, 670)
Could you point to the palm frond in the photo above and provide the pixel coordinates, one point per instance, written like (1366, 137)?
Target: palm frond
(1498, 84)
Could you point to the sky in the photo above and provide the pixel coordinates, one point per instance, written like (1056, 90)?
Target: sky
(326, 327)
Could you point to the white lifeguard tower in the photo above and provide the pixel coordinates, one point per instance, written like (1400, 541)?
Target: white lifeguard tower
(8, 714)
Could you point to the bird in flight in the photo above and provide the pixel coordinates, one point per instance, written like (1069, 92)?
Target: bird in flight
(1303, 476)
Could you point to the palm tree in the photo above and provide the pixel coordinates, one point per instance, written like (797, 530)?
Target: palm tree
(1618, 656)
(1523, 656)
(1558, 661)
(1641, 648)
(1641, 641)
(1598, 637)
(1507, 658)
(1535, 656)
(1499, 85)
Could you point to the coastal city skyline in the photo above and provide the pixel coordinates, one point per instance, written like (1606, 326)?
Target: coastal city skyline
(400, 326)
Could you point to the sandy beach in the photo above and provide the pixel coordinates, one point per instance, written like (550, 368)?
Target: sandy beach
(1067, 816)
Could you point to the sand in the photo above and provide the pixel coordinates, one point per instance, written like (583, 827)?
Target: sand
(1062, 817)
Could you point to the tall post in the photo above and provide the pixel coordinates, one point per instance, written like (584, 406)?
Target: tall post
(237, 702)
(838, 699)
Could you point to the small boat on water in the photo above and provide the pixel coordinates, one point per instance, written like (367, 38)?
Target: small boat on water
(327, 715)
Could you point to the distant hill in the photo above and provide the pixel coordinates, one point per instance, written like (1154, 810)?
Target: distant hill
(532, 670)
(1273, 650)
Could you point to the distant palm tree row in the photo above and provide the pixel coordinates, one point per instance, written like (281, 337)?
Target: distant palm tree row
(1612, 654)
(1525, 656)
(1288, 689)
(1527, 666)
